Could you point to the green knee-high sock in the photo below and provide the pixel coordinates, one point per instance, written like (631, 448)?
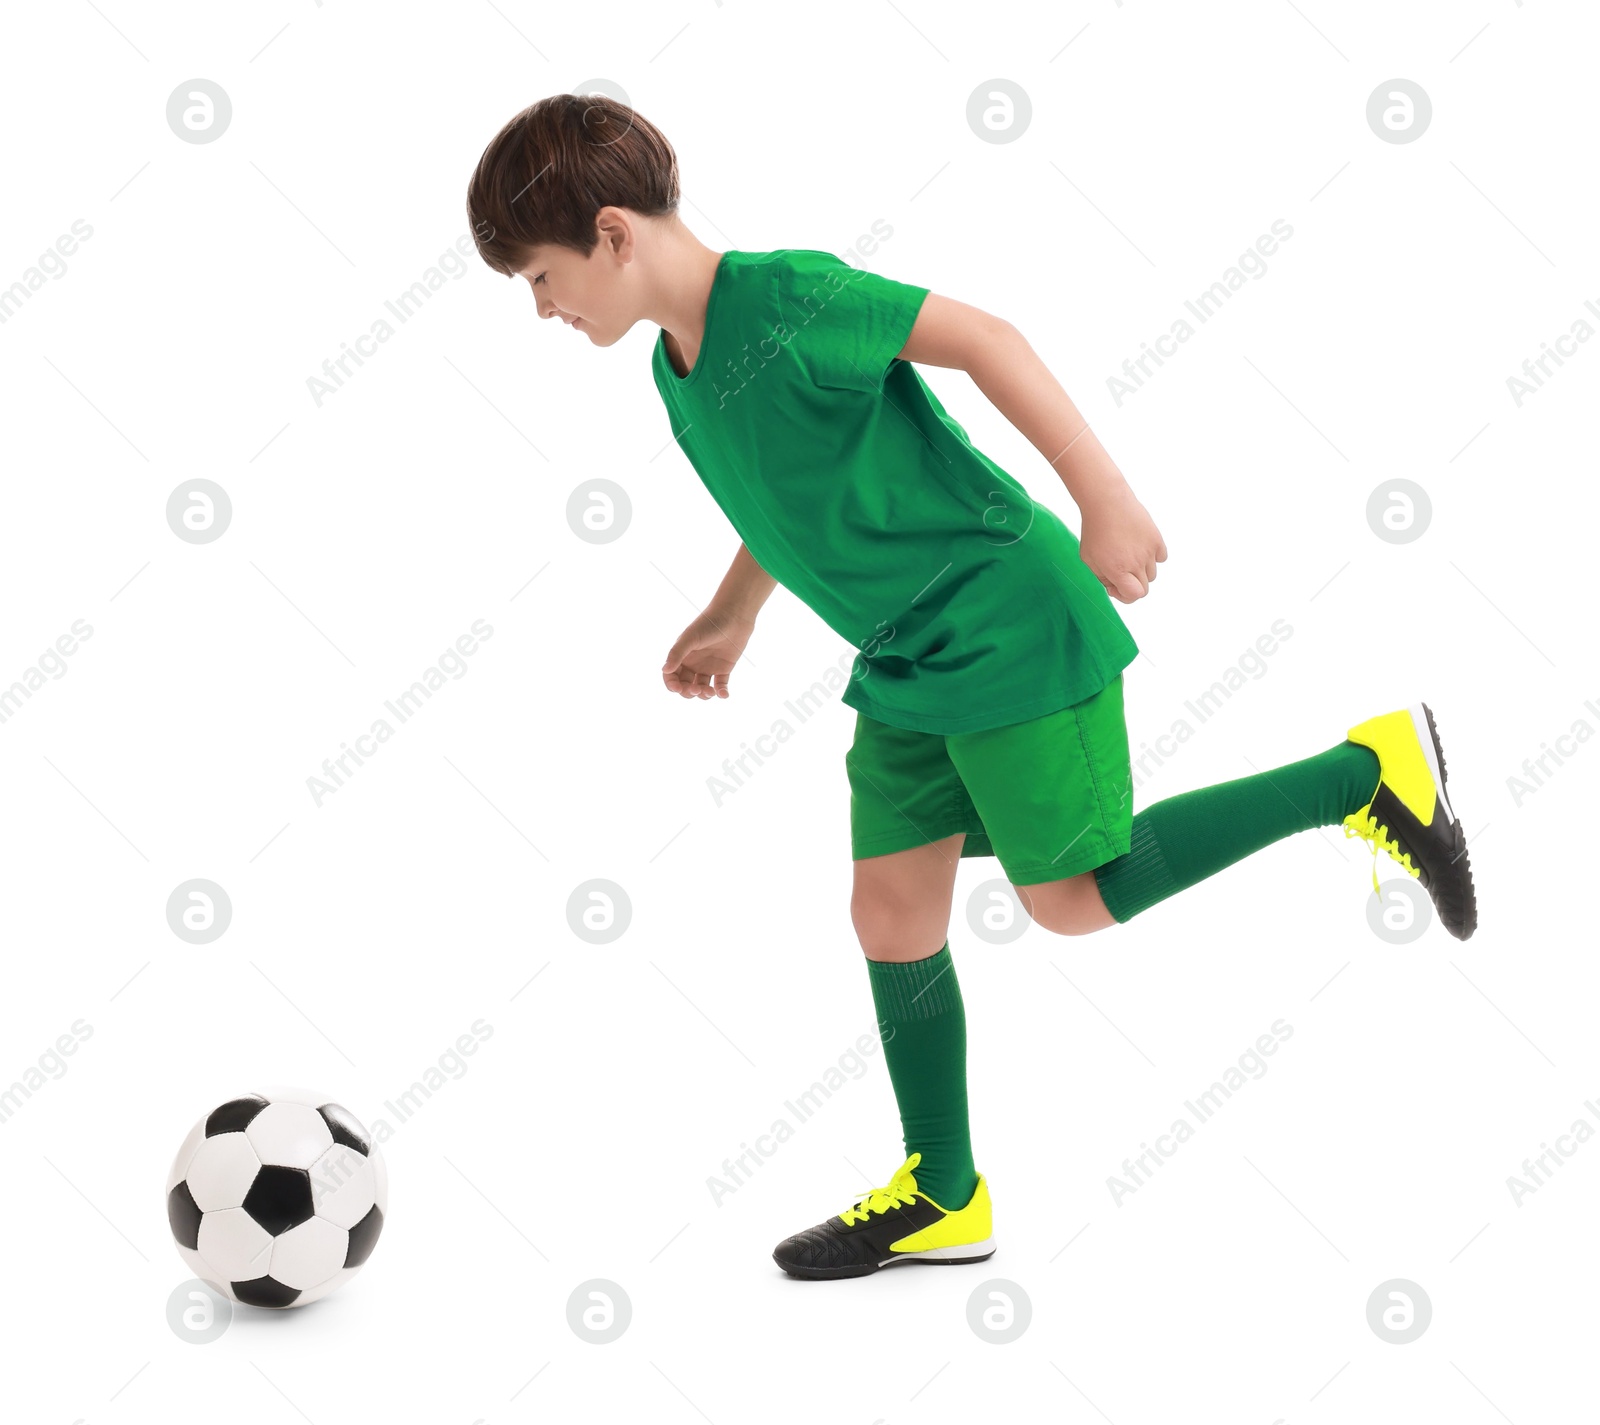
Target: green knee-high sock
(923, 1026)
(1184, 839)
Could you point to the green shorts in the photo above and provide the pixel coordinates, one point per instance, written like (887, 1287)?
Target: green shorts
(1050, 797)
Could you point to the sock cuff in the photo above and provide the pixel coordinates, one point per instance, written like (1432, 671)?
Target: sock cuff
(1362, 769)
(1136, 881)
(915, 989)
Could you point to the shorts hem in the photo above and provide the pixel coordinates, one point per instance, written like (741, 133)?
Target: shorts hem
(1036, 873)
(905, 841)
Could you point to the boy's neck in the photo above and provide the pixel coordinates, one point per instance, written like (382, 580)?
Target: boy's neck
(682, 270)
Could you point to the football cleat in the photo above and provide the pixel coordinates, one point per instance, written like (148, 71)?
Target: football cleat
(888, 1225)
(1410, 817)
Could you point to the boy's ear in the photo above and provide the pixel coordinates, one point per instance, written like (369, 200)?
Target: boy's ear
(615, 227)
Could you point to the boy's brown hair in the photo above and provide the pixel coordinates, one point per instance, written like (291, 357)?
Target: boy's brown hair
(550, 170)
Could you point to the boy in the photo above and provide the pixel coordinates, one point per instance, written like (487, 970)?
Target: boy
(988, 683)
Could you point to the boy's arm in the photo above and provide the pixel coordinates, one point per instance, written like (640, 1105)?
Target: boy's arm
(699, 663)
(1120, 541)
(745, 587)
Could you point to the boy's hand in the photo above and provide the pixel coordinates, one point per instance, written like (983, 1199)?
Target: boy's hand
(1121, 543)
(699, 662)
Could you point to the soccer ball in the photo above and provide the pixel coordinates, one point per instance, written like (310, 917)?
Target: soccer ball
(277, 1198)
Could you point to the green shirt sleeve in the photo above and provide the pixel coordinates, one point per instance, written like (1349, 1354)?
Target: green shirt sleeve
(847, 325)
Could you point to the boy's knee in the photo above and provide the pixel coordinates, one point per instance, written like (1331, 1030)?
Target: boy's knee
(871, 923)
(892, 929)
(1066, 908)
(1067, 920)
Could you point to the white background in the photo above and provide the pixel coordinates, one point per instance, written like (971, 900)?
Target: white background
(369, 533)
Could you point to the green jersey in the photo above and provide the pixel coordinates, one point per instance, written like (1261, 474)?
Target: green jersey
(852, 486)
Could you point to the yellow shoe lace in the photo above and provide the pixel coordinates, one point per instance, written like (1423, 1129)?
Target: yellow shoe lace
(900, 1191)
(1364, 825)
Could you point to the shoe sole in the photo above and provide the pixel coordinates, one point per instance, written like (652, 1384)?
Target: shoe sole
(1428, 737)
(1433, 751)
(933, 1257)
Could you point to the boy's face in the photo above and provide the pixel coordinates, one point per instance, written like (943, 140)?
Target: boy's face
(582, 291)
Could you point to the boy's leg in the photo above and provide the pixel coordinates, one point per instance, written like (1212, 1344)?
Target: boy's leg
(1385, 783)
(1053, 794)
(910, 820)
(1184, 839)
(935, 1208)
(900, 905)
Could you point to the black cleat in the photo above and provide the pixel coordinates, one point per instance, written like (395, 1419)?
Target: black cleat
(1410, 815)
(888, 1225)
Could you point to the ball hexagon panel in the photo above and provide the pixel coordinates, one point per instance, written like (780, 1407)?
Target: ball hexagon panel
(185, 1155)
(343, 1186)
(333, 1283)
(201, 1268)
(222, 1171)
(293, 1093)
(307, 1255)
(234, 1244)
(289, 1135)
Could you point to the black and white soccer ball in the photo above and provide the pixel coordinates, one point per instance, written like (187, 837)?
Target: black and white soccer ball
(277, 1198)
